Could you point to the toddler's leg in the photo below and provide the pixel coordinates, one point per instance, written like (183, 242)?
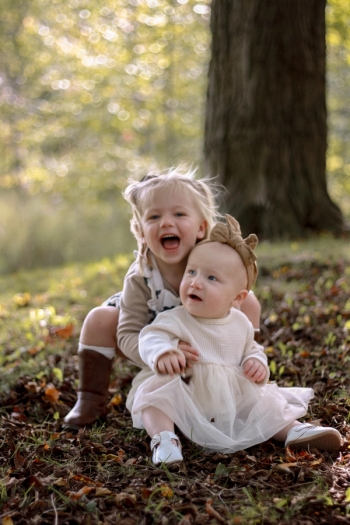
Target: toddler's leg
(165, 444)
(97, 348)
(252, 309)
(305, 435)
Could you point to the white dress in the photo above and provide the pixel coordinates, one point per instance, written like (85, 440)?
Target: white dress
(219, 409)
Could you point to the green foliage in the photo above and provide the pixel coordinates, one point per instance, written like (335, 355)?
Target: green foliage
(106, 470)
(338, 101)
(93, 92)
(48, 231)
(41, 314)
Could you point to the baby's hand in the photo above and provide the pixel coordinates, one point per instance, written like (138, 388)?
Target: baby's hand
(191, 354)
(171, 363)
(254, 370)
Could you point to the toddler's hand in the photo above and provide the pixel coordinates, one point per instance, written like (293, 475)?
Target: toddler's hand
(171, 363)
(254, 370)
(191, 354)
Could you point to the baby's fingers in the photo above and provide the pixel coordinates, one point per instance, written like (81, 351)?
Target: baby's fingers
(254, 370)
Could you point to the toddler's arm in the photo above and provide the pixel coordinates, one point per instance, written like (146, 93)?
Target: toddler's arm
(191, 354)
(133, 315)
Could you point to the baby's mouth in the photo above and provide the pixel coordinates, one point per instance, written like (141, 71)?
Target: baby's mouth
(170, 242)
(194, 297)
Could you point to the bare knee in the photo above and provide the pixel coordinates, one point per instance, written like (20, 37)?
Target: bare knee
(252, 309)
(100, 327)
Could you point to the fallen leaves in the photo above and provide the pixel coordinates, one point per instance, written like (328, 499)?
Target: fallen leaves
(104, 474)
(51, 393)
(212, 512)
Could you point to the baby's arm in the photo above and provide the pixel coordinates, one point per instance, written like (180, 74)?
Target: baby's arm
(158, 345)
(171, 363)
(254, 370)
(254, 360)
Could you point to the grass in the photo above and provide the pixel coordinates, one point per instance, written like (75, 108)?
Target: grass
(104, 475)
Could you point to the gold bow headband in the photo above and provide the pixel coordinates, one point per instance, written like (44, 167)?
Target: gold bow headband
(230, 233)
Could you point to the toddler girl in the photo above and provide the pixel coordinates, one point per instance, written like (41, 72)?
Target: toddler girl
(227, 405)
(172, 211)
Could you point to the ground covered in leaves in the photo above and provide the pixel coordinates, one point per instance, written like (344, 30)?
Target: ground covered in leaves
(104, 475)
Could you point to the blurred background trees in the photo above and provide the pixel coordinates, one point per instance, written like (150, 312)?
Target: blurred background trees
(93, 92)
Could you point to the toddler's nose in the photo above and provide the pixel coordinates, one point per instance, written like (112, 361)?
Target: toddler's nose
(167, 220)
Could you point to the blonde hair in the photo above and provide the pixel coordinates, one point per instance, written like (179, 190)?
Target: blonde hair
(203, 191)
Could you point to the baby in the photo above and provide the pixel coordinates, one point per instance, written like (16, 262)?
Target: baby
(228, 404)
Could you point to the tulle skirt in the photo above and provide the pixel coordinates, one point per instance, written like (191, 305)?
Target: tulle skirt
(220, 409)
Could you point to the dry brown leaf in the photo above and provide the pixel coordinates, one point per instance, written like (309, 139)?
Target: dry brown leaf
(116, 400)
(7, 520)
(125, 499)
(60, 482)
(166, 491)
(51, 393)
(146, 493)
(186, 520)
(212, 512)
(18, 460)
(102, 491)
(77, 495)
(117, 458)
(65, 332)
(85, 479)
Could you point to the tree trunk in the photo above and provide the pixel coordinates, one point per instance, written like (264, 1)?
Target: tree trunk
(266, 129)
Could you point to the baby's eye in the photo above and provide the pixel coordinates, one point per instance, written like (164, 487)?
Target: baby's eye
(153, 217)
(191, 272)
(212, 278)
(179, 214)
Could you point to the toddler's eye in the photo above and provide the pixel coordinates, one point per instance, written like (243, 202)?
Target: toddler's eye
(212, 278)
(153, 217)
(179, 214)
(191, 272)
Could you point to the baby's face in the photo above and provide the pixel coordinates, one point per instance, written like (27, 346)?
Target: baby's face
(213, 279)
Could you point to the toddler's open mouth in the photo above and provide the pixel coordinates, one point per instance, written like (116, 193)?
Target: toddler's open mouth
(170, 242)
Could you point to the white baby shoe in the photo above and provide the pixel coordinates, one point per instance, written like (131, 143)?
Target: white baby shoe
(164, 450)
(306, 435)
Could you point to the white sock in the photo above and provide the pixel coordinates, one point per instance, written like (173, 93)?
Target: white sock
(106, 351)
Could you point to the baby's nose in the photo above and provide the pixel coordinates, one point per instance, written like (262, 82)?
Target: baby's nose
(196, 283)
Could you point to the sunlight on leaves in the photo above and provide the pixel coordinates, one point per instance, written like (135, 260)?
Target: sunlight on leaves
(166, 491)
(57, 372)
(273, 366)
(21, 299)
(116, 400)
(7, 521)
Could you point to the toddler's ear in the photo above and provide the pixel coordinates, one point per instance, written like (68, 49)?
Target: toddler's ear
(202, 229)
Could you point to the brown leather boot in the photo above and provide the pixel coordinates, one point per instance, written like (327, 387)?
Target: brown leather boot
(94, 375)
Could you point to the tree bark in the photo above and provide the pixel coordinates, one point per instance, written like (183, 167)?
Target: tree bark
(266, 121)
